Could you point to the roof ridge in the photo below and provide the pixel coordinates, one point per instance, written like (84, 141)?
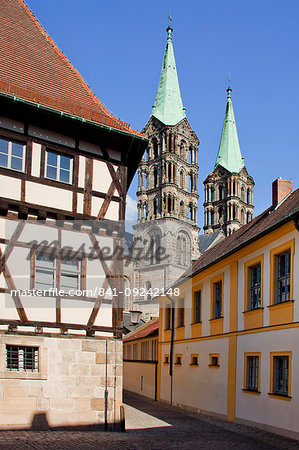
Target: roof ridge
(70, 65)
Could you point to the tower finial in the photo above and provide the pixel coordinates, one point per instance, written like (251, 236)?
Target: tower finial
(169, 28)
(228, 90)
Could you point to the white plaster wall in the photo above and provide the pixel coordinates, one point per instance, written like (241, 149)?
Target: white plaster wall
(200, 387)
(96, 204)
(10, 187)
(101, 179)
(132, 373)
(261, 408)
(112, 211)
(81, 172)
(80, 203)
(36, 155)
(50, 196)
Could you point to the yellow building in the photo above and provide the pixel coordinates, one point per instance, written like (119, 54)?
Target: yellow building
(229, 329)
(141, 360)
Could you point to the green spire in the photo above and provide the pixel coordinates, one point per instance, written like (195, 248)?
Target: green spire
(168, 107)
(229, 153)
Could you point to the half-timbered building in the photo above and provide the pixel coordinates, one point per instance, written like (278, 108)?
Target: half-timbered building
(65, 165)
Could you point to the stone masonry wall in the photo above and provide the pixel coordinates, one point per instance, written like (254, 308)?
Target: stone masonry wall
(68, 391)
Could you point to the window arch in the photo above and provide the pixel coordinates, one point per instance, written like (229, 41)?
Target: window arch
(242, 216)
(249, 196)
(183, 249)
(155, 177)
(243, 194)
(154, 245)
(155, 148)
(220, 192)
(182, 179)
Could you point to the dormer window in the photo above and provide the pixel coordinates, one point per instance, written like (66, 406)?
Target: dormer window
(12, 155)
(59, 167)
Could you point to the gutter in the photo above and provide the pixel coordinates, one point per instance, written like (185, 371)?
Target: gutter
(171, 347)
(70, 116)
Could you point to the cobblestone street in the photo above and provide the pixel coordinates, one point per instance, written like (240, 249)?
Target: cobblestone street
(152, 425)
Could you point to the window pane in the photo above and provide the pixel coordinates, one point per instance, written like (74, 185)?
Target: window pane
(16, 163)
(44, 279)
(52, 159)
(70, 264)
(45, 260)
(64, 176)
(65, 162)
(3, 146)
(69, 281)
(3, 160)
(17, 149)
(51, 172)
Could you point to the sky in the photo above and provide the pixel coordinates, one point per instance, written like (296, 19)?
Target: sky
(118, 47)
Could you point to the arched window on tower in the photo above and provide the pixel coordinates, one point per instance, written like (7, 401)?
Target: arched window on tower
(190, 211)
(248, 217)
(155, 206)
(169, 203)
(183, 249)
(190, 155)
(190, 182)
(234, 187)
(242, 216)
(155, 177)
(248, 196)
(169, 172)
(212, 217)
(234, 212)
(155, 148)
(182, 212)
(182, 179)
(182, 150)
(212, 194)
(243, 193)
(220, 192)
(220, 213)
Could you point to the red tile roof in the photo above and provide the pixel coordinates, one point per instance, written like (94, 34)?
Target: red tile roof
(148, 329)
(258, 227)
(34, 69)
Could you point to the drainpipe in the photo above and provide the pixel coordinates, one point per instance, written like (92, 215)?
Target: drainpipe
(171, 348)
(106, 390)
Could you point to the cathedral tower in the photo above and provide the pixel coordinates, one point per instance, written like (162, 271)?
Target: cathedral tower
(167, 189)
(229, 188)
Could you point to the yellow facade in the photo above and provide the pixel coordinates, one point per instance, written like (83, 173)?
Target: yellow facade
(254, 338)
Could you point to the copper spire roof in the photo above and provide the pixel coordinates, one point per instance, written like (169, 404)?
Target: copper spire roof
(34, 69)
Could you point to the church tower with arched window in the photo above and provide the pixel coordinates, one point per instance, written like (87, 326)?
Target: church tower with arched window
(229, 188)
(167, 188)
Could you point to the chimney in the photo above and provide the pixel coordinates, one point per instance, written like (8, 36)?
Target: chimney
(280, 189)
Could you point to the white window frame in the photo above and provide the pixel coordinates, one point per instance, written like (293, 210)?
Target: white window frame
(77, 272)
(58, 167)
(9, 155)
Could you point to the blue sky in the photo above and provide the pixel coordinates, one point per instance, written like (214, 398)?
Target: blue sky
(118, 47)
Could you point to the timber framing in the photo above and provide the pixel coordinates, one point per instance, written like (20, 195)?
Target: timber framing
(120, 152)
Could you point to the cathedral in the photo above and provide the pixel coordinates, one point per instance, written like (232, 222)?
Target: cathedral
(167, 230)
